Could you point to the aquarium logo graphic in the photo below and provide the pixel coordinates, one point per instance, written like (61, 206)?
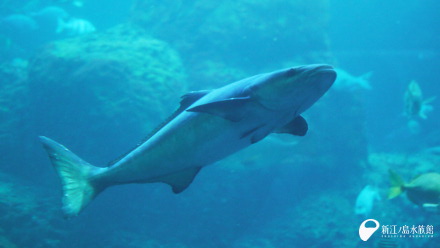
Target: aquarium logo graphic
(366, 232)
(405, 231)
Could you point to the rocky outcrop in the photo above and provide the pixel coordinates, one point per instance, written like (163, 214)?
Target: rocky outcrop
(105, 82)
(238, 33)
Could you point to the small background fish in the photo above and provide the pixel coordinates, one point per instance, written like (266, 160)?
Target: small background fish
(415, 104)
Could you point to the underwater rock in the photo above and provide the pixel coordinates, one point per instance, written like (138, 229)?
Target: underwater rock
(322, 220)
(13, 95)
(120, 81)
(239, 25)
(249, 242)
(237, 32)
(132, 239)
(407, 164)
(214, 74)
(5, 242)
(26, 215)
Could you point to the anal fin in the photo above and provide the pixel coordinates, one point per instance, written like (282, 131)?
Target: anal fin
(179, 181)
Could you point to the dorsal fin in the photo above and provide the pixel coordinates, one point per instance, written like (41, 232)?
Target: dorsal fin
(185, 102)
(189, 98)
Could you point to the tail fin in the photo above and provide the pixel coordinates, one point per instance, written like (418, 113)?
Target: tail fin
(76, 175)
(367, 76)
(397, 184)
(365, 80)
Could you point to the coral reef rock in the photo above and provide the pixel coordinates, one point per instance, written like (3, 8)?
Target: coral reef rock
(237, 32)
(26, 215)
(105, 81)
(317, 221)
(13, 86)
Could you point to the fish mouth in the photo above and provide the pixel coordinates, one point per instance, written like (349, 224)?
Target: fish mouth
(321, 71)
(325, 69)
(325, 75)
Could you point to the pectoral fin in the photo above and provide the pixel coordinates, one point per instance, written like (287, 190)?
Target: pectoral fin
(232, 109)
(181, 180)
(297, 126)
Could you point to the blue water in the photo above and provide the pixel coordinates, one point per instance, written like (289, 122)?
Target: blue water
(100, 91)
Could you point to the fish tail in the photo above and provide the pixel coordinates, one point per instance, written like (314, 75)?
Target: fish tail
(397, 184)
(367, 76)
(80, 179)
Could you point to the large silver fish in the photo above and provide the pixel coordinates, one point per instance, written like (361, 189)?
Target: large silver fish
(208, 126)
